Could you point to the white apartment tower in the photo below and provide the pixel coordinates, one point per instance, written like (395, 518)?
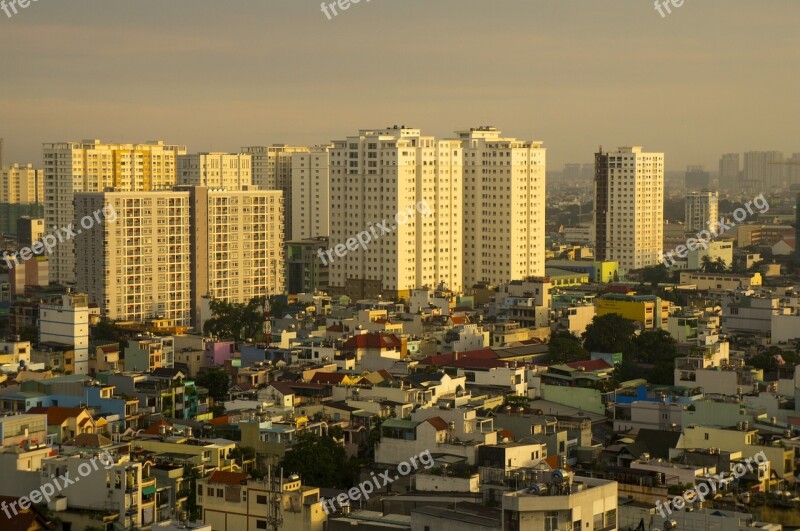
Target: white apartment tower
(273, 170)
(237, 247)
(629, 207)
(168, 251)
(21, 184)
(702, 211)
(67, 322)
(226, 171)
(311, 194)
(138, 267)
(504, 207)
(413, 182)
(92, 166)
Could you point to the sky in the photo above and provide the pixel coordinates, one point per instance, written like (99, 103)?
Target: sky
(711, 77)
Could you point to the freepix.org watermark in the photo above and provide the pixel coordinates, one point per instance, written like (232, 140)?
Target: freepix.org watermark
(365, 488)
(9, 7)
(709, 486)
(664, 5)
(716, 229)
(59, 235)
(50, 489)
(343, 5)
(364, 237)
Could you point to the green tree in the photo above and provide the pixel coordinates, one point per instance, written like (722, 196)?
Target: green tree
(609, 333)
(237, 321)
(655, 275)
(654, 346)
(320, 461)
(564, 348)
(106, 330)
(710, 265)
(190, 477)
(30, 333)
(217, 381)
(627, 370)
(767, 358)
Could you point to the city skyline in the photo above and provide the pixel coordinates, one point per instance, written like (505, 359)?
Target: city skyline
(589, 81)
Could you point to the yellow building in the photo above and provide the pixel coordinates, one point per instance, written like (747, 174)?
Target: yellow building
(230, 501)
(648, 310)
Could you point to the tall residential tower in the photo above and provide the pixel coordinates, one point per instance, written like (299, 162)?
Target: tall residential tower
(629, 207)
(410, 182)
(92, 166)
(504, 207)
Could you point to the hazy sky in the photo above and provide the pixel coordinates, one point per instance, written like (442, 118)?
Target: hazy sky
(714, 76)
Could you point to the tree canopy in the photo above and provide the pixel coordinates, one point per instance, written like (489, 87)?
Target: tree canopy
(565, 347)
(237, 321)
(320, 461)
(609, 333)
(217, 381)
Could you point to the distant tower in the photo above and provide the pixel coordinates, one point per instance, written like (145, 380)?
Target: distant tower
(796, 225)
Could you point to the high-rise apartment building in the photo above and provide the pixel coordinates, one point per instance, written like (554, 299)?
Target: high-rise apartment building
(169, 251)
(273, 170)
(504, 207)
(629, 207)
(697, 178)
(237, 246)
(92, 166)
(763, 171)
(311, 194)
(729, 167)
(702, 211)
(225, 171)
(413, 183)
(21, 184)
(138, 267)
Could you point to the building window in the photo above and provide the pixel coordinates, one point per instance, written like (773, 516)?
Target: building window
(261, 500)
(261, 524)
(551, 521)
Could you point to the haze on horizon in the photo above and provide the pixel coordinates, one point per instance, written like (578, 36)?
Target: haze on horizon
(712, 77)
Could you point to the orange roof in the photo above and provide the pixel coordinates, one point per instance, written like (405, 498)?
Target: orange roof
(153, 429)
(506, 434)
(438, 423)
(553, 462)
(229, 478)
(56, 415)
(220, 421)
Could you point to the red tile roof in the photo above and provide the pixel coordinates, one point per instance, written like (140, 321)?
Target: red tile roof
(449, 359)
(154, 429)
(387, 341)
(506, 434)
(328, 377)
(553, 462)
(224, 420)
(229, 478)
(438, 423)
